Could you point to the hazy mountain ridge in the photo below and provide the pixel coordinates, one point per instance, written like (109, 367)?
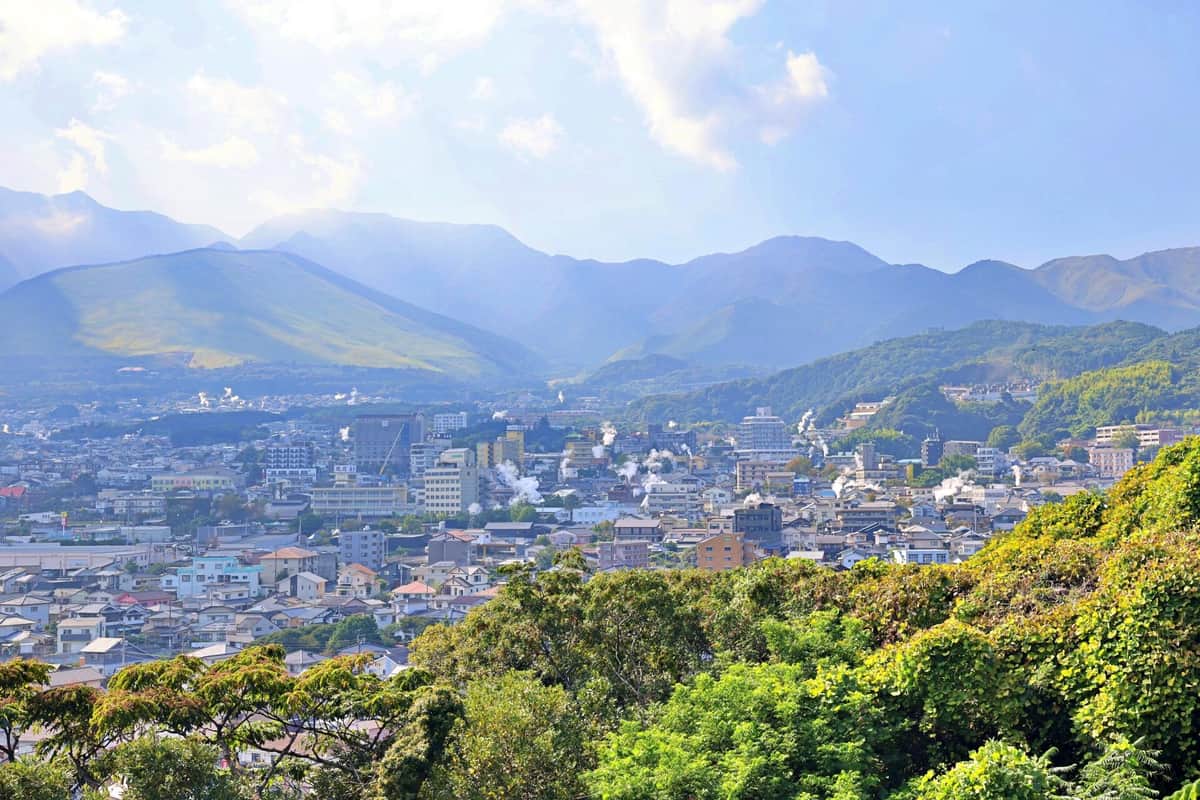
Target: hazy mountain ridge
(44, 232)
(218, 308)
(781, 302)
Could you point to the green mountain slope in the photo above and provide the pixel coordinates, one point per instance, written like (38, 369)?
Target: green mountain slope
(216, 308)
(983, 351)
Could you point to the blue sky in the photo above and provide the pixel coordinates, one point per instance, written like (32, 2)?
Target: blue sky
(940, 133)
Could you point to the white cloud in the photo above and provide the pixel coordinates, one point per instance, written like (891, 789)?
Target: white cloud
(31, 30)
(336, 121)
(372, 100)
(233, 153)
(110, 88)
(423, 31)
(485, 88)
(310, 179)
(805, 83)
(74, 175)
(246, 107)
(676, 60)
(89, 146)
(533, 137)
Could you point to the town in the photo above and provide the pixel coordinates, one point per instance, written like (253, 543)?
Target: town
(126, 548)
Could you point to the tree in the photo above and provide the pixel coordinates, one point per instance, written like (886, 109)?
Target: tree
(164, 768)
(801, 465)
(1122, 772)
(411, 525)
(31, 779)
(996, 771)
(952, 465)
(1003, 437)
(353, 630)
(755, 732)
(517, 739)
(20, 681)
(522, 512)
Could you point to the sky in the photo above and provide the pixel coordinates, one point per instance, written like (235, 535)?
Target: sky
(932, 132)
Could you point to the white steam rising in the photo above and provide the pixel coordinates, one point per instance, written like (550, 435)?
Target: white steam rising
(525, 490)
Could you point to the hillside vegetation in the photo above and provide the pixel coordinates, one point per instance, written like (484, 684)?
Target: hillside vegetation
(1060, 662)
(219, 308)
(980, 352)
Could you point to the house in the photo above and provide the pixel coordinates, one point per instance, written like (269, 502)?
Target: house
(79, 676)
(299, 660)
(412, 598)
(1007, 518)
(109, 654)
(286, 561)
(475, 577)
(434, 574)
(75, 633)
(216, 652)
(921, 555)
(851, 556)
(30, 607)
(356, 580)
(302, 586)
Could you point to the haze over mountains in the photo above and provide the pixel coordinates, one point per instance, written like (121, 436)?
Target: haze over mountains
(780, 303)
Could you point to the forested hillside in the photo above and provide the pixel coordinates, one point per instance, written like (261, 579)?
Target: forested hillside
(1061, 662)
(984, 351)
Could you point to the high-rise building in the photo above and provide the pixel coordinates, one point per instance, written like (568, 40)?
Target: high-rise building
(764, 436)
(382, 442)
(452, 485)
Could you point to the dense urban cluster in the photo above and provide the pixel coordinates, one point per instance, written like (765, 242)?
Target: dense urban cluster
(316, 540)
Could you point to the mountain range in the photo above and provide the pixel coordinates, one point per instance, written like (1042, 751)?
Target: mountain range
(782, 302)
(213, 308)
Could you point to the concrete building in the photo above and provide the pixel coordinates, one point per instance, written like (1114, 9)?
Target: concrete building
(448, 422)
(367, 547)
(755, 475)
(625, 554)
(1147, 435)
(453, 485)
(761, 522)
(209, 572)
(724, 551)
(931, 451)
(633, 528)
(288, 561)
(424, 455)
(217, 479)
(382, 442)
(1111, 462)
(351, 502)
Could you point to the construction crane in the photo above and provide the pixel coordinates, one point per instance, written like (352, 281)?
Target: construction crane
(387, 458)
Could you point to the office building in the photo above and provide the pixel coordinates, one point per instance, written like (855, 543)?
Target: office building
(382, 442)
(452, 485)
